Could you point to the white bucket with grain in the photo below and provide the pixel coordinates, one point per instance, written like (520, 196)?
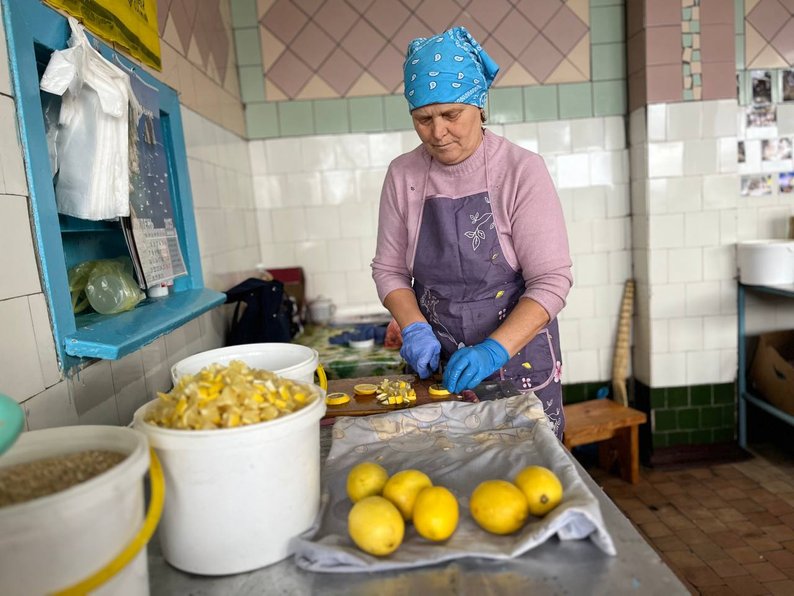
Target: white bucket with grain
(235, 496)
(58, 528)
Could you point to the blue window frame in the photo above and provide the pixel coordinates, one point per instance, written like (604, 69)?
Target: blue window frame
(33, 32)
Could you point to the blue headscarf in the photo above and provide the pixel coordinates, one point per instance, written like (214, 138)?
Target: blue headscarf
(447, 68)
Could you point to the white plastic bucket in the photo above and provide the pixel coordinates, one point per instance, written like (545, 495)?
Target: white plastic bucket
(292, 361)
(766, 262)
(50, 543)
(236, 497)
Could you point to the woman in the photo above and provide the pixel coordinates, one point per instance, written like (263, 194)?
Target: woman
(472, 256)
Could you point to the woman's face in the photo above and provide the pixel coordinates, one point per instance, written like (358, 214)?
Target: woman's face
(449, 131)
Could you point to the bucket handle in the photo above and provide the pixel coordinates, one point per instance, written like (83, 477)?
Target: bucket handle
(133, 547)
(323, 378)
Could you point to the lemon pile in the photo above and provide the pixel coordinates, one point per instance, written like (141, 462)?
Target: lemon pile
(502, 507)
(383, 504)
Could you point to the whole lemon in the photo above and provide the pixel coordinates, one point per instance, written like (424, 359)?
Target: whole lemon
(376, 526)
(365, 480)
(435, 513)
(402, 488)
(498, 506)
(541, 487)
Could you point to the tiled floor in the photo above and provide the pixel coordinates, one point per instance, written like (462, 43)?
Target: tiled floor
(723, 528)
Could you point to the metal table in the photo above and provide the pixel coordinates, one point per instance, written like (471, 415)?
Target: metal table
(572, 567)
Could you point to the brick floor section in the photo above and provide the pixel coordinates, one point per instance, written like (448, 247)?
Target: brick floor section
(724, 529)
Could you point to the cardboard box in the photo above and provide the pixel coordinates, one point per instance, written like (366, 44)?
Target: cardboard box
(772, 372)
(294, 284)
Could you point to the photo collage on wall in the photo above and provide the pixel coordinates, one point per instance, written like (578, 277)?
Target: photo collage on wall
(764, 157)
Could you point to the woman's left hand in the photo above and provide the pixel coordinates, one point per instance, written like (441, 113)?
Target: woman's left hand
(469, 366)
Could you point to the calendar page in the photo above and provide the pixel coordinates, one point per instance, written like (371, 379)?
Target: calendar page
(151, 230)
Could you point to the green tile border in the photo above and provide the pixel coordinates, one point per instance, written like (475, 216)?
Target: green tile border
(606, 94)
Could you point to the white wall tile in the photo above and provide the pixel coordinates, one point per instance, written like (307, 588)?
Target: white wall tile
(728, 226)
(589, 203)
(50, 408)
(129, 383)
(614, 133)
(665, 159)
(590, 269)
(313, 255)
(719, 118)
(339, 186)
(684, 265)
(524, 134)
(656, 115)
(660, 335)
(587, 134)
(277, 254)
(5, 80)
(156, 367)
(620, 266)
(703, 366)
(666, 231)
(666, 301)
(318, 153)
(93, 395)
(684, 120)
(357, 220)
(573, 171)
(20, 371)
(344, 255)
(669, 369)
(685, 334)
(257, 157)
(554, 137)
(322, 223)
(720, 192)
(304, 188)
(290, 224)
(606, 168)
(637, 130)
(728, 155)
(618, 201)
(12, 181)
(362, 290)
(352, 151)
(330, 285)
(592, 334)
(719, 262)
(175, 346)
(701, 229)
(17, 259)
(383, 148)
(284, 155)
(580, 366)
(701, 157)
(702, 298)
(370, 184)
(719, 332)
(270, 191)
(580, 303)
(42, 329)
(785, 119)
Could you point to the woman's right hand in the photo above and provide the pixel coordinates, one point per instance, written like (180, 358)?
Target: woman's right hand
(420, 348)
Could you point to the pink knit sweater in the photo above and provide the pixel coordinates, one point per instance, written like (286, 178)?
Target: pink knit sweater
(525, 206)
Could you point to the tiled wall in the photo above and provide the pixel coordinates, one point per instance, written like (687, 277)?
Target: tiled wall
(336, 92)
(680, 50)
(198, 57)
(318, 199)
(768, 33)
(105, 391)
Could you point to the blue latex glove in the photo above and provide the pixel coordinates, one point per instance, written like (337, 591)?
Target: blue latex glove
(421, 348)
(469, 366)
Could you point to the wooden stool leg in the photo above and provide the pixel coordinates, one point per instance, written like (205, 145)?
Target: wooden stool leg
(627, 441)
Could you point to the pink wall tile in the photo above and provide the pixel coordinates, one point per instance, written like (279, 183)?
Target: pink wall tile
(784, 42)
(289, 73)
(363, 42)
(336, 17)
(308, 6)
(635, 17)
(539, 12)
(438, 14)
(714, 12)
(515, 33)
(565, 29)
(665, 83)
(387, 16)
(284, 20)
(663, 12)
(638, 96)
(664, 45)
(789, 5)
(768, 17)
(719, 80)
(489, 14)
(340, 71)
(387, 67)
(412, 29)
(635, 51)
(717, 43)
(312, 45)
(540, 58)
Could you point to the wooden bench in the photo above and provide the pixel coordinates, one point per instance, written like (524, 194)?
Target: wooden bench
(614, 427)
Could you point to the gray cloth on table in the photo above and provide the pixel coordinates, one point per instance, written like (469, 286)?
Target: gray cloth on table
(458, 445)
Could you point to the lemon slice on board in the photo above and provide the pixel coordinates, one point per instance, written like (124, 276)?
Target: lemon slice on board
(365, 388)
(437, 391)
(337, 399)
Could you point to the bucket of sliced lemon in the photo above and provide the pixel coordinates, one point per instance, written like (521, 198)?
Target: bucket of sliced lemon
(383, 504)
(241, 456)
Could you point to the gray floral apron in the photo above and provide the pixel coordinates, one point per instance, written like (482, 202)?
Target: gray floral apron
(466, 288)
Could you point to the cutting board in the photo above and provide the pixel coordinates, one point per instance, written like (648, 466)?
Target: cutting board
(364, 405)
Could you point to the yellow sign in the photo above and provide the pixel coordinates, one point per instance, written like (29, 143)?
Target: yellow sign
(131, 24)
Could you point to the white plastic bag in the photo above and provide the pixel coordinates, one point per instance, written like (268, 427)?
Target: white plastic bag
(92, 140)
